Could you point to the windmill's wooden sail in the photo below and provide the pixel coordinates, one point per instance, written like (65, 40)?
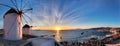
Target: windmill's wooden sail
(12, 25)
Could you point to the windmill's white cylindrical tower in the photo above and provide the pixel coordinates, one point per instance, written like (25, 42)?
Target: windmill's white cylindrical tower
(12, 25)
(26, 29)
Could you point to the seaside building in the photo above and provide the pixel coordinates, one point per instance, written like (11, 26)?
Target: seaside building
(26, 29)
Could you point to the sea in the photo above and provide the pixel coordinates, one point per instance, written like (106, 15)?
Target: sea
(69, 35)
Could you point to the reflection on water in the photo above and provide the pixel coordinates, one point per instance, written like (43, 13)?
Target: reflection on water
(57, 36)
(69, 35)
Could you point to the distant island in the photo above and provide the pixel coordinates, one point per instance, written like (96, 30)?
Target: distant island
(97, 28)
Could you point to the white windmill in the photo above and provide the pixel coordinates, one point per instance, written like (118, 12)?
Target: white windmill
(13, 20)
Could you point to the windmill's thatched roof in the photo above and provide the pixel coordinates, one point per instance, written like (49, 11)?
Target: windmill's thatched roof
(10, 11)
(26, 26)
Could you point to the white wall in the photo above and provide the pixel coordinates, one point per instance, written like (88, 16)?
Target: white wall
(12, 27)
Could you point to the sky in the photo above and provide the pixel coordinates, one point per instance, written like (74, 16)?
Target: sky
(68, 13)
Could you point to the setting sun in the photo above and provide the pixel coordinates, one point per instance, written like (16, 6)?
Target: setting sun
(53, 28)
(57, 28)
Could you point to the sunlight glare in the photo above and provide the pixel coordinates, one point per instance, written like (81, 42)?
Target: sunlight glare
(57, 37)
(58, 28)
